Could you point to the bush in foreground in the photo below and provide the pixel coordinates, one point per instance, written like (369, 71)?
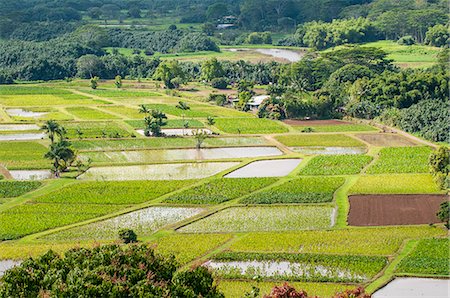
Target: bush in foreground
(106, 271)
(287, 291)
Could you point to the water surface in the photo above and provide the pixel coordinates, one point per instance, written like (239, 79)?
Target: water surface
(7, 264)
(415, 287)
(22, 137)
(178, 131)
(30, 174)
(329, 150)
(266, 168)
(25, 113)
(18, 127)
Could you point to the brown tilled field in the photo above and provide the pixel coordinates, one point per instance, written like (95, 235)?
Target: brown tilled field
(386, 140)
(315, 122)
(385, 210)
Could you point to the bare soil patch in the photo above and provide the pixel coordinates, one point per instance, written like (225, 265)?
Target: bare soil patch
(315, 122)
(386, 140)
(385, 210)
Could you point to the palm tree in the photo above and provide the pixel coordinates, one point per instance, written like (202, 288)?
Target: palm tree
(52, 128)
(62, 156)
(143, 109)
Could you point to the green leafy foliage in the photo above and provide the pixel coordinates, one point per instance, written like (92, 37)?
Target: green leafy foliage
(395, 184)
(401, 160)
(23, 155)
(10, 189)
(430, 256)
(300, 190)
(249, 126)
(112, 192)
(336, 165)
(220, 190)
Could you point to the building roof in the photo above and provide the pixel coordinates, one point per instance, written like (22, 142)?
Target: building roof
(257, 100)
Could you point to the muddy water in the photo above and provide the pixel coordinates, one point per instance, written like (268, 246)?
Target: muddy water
(329, 150)
(25, 113)
(30, 174)
(415, 287)
(7, 264)
(177, 131)
(22, 137)
(18, 127)
(266, 168)
(180, 171)
(280, 268)
(181, 154)
(291, 56)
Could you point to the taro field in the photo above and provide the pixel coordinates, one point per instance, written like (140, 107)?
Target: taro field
(260, 202)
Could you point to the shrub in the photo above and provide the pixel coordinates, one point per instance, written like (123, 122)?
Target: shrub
(219, 83)
(127, 236)
(406, 40)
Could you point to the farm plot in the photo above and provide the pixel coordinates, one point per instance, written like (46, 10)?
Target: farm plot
(401, 160)
(27, 219)
(430, 256)
(171, 123)
(23, 155)
(249, 126)
(329, 150)
(297, 267)
(10, 189)
(144, 222)
(220, 190)
(37, 113)
(246, 219)
(395, 184)
(336, 165)
(167, 143)
(300, 190)
(117, 192)
(386, 140)
(193, 112)
(319, 140)
(179, 171)
(383, 210)
(356, 241)
(266, 168)
(124, 111)
(86, 113)
(121, 93)
(328, 125)
(95, 130)
(17, 127)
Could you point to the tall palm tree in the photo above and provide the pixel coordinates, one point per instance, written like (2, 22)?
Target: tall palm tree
(52, 129)
(61, 154)
(143, 109)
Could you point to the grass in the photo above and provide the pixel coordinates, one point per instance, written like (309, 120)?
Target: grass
(86, 113)
(96, 130)
(193, 112)
(325, 140)
(310, 267)
(246, 219)
(120, 93)
(220, 190)
(172, 123)
(11, 189)
(336, 165)
(395, 184)
(401, 160)
(23, 155)
(338, 128)
(301, 190)
(164, 143)
(27, 219)
(382, 241)
(236, 288)
(249, 126)
(112, 192)
(124, 111)
(143, 222)
(430, 256)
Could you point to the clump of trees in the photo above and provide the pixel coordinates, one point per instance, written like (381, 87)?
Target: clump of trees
(439, 163)
(122, 271)
(154, 120)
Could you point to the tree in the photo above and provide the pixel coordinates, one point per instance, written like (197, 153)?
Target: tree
(216, 11)
(168, 71)
(118, 81)
(438, 36)
(443, 213)
(89, 66)
(212, 69)
(210, 120)
(53, 129)
(182, 105)
(62, 156)
(127, 236)
(200, 136)
(94, 82)
(439, 163)
(133, 270)
(134, 12)
(153, 120)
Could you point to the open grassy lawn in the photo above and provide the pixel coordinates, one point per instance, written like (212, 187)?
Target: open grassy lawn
(324, 140)
(249, 126)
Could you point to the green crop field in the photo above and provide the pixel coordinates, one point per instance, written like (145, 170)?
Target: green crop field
(324, 140)
(220, 190)
(336, 165)
(337, 128)
(96, 130)
(247, 219)
(249, 126)
(10, 189)
(428, 257)
(120, 93)
(23, 155)
(116, 193)
(401, 160)
(172, 123)
(132, 113)
(86, 113)
(395, 184)
(300, 190)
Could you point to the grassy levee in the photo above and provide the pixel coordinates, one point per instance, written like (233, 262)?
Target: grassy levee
(342, 203)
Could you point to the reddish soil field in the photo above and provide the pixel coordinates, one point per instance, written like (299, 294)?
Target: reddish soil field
(385, 210)
(386, 140)
(315, 122)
